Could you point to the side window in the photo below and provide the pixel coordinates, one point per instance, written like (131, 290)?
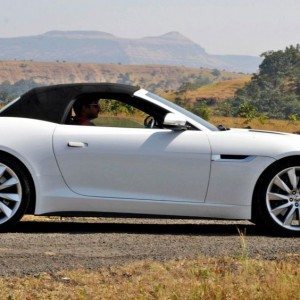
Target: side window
(114, 113)
(109, 111)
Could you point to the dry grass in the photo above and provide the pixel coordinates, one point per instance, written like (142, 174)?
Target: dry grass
(203, 278)
(167, 77)
(219, 90)
(271, 124)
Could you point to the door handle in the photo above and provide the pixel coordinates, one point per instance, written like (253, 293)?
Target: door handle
(77, 144)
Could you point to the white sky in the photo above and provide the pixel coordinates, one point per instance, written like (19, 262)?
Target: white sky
(220, 26)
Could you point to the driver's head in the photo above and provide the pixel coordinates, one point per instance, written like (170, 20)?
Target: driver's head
(87, 107)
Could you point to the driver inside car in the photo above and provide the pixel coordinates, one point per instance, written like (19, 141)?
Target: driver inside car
(85, 111)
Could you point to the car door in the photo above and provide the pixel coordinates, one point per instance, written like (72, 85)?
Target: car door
(130, 163)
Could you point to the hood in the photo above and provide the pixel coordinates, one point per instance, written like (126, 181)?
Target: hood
(254, 142)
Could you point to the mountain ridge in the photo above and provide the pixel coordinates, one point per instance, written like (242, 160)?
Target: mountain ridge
(171, 48)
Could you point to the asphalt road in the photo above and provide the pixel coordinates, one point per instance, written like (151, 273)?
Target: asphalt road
(50, 245)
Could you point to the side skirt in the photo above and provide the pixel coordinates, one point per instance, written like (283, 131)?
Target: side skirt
(123, 215)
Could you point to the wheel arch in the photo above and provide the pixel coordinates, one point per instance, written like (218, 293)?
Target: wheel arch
(32, 201)
(255, 195)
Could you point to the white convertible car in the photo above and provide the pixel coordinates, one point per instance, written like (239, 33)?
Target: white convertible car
(175, 164)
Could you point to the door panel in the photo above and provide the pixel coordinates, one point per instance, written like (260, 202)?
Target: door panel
(152, 164)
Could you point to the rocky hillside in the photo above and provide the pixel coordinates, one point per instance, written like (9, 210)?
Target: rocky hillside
(152, 77)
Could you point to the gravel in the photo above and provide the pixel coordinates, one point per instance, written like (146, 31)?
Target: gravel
(54, 244)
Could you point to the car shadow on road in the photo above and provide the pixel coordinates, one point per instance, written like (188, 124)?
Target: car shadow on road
(135, 228)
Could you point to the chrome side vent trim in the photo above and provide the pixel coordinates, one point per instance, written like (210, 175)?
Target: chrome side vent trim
(266, 131)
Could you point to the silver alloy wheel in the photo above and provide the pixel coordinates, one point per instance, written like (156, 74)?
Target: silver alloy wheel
(10, 193)
(283, 198)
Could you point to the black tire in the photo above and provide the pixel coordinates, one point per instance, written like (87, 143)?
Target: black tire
(24, 181)
(266, 220)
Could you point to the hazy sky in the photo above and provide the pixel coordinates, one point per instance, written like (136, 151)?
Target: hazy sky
(220, 26)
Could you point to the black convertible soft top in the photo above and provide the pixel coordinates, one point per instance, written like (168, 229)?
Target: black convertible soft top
(50, 103)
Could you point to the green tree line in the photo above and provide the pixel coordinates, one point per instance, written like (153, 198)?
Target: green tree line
(10, 91)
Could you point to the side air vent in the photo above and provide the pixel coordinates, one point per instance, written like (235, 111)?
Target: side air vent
(231, 156)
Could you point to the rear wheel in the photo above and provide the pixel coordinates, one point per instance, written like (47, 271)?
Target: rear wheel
(14, 192)
(279, 199)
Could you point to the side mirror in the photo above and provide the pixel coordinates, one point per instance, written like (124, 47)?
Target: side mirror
(175, 122)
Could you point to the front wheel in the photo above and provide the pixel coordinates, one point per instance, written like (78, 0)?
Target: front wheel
(14, 192)
(278, 203)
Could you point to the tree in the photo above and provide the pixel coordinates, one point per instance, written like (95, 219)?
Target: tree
(215, 72)
(5, 97)
(247, 111)
(275, 90)
(224, 108)
(201, 109)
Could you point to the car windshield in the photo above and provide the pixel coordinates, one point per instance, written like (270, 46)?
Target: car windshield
(183, 111)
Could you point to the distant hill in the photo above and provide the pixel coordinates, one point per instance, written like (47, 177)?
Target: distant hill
(152, 77)
(99, 47)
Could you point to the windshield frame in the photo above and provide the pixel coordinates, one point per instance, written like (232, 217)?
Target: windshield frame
(172, 107)
(9, 104)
